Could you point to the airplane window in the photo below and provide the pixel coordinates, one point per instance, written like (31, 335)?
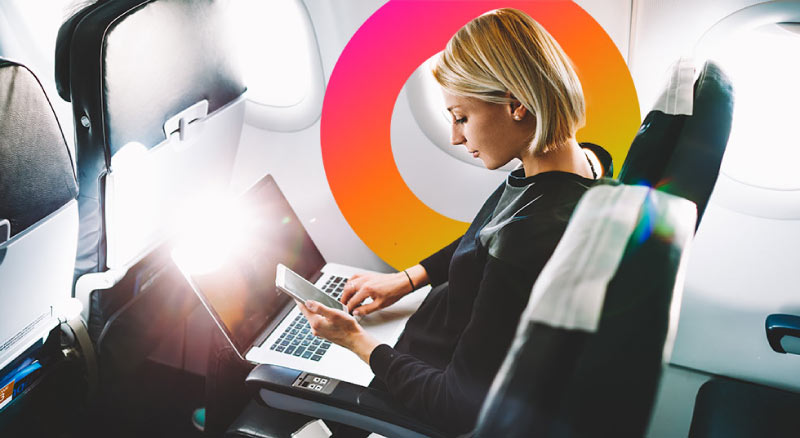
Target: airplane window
(29, 32)
(280, 58)
(763, 66)
(427, 105)
(757, 47)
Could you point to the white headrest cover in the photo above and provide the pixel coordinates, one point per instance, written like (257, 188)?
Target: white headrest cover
(571, 289)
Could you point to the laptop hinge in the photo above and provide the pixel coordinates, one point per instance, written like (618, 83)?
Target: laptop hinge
(272, 325)
(315, 277)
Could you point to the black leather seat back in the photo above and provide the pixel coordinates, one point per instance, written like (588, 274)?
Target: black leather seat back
(571, 382)
(36, 170)
(128, 66)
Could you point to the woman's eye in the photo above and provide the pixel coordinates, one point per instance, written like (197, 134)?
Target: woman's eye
(461, 120)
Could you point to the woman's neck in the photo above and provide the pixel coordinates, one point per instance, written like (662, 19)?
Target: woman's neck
(568, 157)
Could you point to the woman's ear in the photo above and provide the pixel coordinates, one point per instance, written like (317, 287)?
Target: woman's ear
(517, 110)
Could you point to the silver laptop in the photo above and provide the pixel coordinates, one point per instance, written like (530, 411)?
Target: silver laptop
(263, 324)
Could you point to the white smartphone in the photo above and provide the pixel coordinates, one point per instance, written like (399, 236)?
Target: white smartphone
(298, 287)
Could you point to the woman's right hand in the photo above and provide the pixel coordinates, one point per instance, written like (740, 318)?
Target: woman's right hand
(384, 289)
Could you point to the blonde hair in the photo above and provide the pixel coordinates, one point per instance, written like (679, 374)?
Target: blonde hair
(505, 51)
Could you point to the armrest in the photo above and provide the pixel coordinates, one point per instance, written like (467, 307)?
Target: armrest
(783, 333)
(5, 230)
(332, 399)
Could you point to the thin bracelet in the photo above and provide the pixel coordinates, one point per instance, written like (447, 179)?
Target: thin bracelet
(413, 288)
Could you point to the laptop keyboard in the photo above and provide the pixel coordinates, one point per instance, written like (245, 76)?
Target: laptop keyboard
(297, 340)
(334, 286)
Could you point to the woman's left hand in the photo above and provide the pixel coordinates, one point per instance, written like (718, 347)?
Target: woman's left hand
(338, 327)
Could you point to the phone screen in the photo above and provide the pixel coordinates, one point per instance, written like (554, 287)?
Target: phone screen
(300, 288)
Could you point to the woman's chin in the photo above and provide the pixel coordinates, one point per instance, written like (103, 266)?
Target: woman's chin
(491, 165)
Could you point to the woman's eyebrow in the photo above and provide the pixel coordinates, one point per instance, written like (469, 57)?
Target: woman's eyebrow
(450, 108)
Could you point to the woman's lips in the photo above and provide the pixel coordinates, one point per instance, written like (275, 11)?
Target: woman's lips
(475, 154)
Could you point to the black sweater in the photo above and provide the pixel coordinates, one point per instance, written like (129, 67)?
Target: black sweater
(452, 347)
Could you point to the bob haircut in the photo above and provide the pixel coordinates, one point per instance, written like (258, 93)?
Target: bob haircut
(505, 55)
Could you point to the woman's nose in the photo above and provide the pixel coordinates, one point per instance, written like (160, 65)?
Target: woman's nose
(456, 136)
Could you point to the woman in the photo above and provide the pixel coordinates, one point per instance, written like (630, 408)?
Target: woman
(512, 93)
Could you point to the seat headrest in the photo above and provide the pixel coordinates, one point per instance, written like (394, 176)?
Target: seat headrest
(602, 155)
(143, 61)
(37, 175)
(681, 153)
(63, 44)
(693, 169)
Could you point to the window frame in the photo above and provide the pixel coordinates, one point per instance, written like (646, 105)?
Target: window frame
(308, 110)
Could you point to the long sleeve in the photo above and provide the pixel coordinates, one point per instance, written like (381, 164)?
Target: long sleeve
(438, 264)
(451, 397)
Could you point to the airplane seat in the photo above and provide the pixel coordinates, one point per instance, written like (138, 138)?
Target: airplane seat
(599, 326)
(43, 363)
(158, 107)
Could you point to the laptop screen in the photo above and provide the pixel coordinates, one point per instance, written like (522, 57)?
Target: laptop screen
(241, 291)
